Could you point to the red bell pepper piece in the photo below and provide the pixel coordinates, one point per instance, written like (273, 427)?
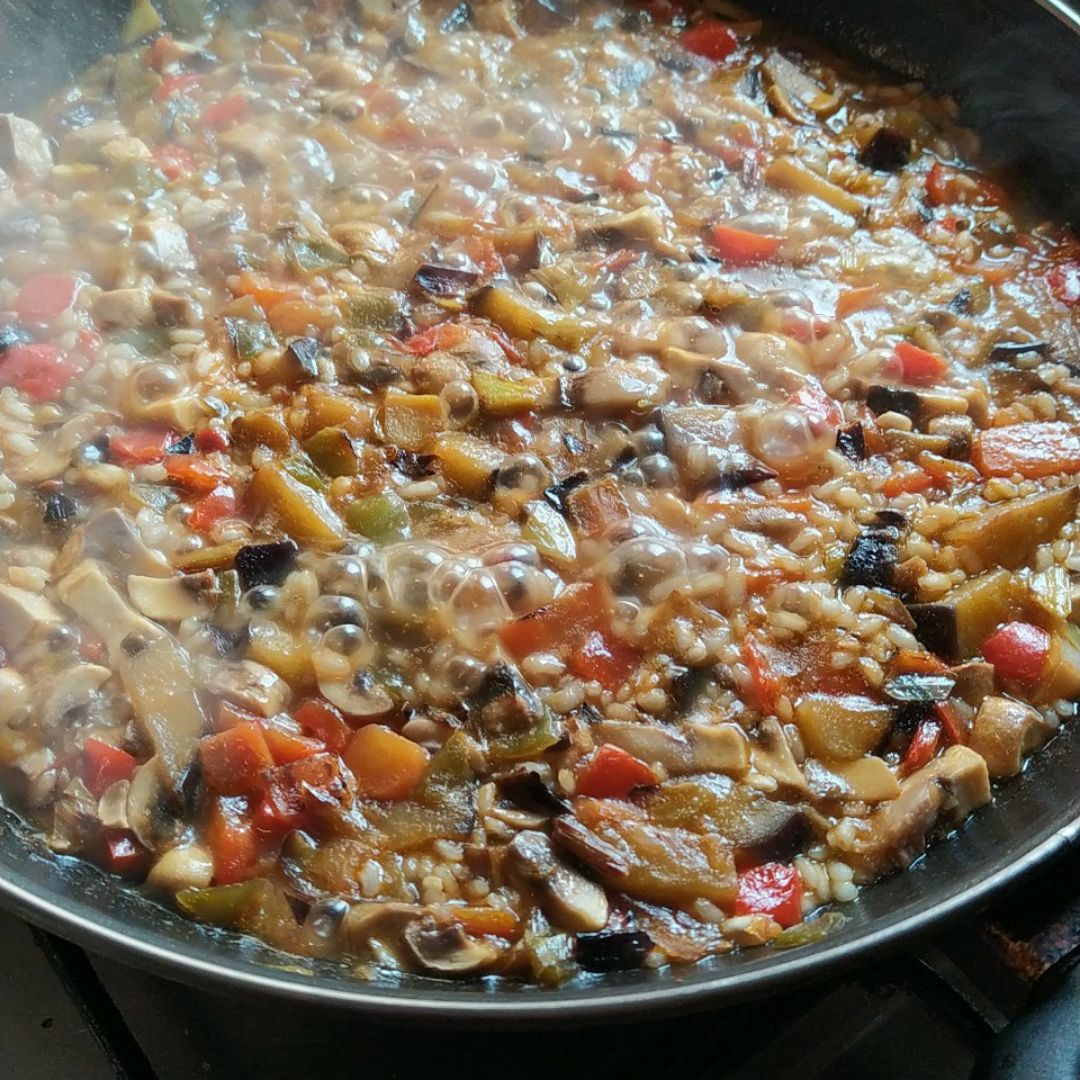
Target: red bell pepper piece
(236, 761)
(177, 84)
(920, 366)
(639, 172)
(194, 473)
(923, 746)
(773, 889)
(1018, 651)
(440, 336)
(212, 509)
(603, 658)
(297, 791)
(952, 727)
(103, 765)
(909, 482)
(140, 446)
(46, 296)
(712, 39)
(124, 855)
(41, 372)
(764, 687)
(211, 439)
(226, 111)
(740, 247)
(821, 411)
(322, 721)
(612, 773)
(1064, 282)
(174, 161)
(232, 840)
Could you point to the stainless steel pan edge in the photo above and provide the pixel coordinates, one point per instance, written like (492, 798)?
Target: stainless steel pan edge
(1036, 817)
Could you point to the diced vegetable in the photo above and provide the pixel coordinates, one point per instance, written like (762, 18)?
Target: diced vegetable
(521, 321)
(140, 446)
(104, 765)
(41, 372)
(773, 889)
(923, 746)
(45, 297)
(546, 529)
(1018, 651)
(227, 905)
(468, 464)
(1005, 732)
(612, 773)
(226, 111)
(383, 517)
(741, 247)
(1033, 450)
(298, 509)
(250, 338)
(376, 310)
(142, 21)
(791, 174)
(333, 451)
(234, 761)
(603, 658)
(409, 419)
(709, 38)
(233, 845)
(841, 727)
(386, 766)
(500, 396)
(323, 722)
(920, 366)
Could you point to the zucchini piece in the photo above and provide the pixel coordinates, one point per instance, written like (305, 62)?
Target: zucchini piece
(520, 320)
(546, 529)
(333, 452)
(377, 309)
(250, 338)
(469, 464)
(841, 728)
(142, 21)
(500, 396)
(383, 517)
(301, 511)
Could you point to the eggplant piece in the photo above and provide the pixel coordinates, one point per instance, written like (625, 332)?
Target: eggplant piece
(1007, 533)
(444, 280)
(527, 789)
(714, 429)
(568, 899)
(841, 727)
(59, 508)
(10, 336)
(612, 950)
(851, 442)
(265, 564)
(872, 559)
(956, 626)
(514, 721)
(885, 399)
(888, 150)
(1007, 351)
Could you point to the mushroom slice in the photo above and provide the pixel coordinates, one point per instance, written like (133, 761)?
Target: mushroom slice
(149, 806)
(113, 537)
(252, 686)
(693, 748)
(771, 756)
(720, 748)
(448, 949)
(75, 818)
(187, 866)
(568, 899)
(25, 151)
(793, 94)
(157, 676)
(22, 613)
(15, 696)
(112, 806)
(588, 849)
(74, 687)
(1005, 732)
(89, 594)
(186, 596)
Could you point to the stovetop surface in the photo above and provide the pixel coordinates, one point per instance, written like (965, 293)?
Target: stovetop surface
(927, 1013)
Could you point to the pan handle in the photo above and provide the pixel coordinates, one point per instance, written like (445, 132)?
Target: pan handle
(1044, 1043)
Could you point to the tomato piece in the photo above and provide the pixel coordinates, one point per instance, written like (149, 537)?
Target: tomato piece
(639, 172)
(41, 372)
(103, 765)
(233, 844)
(212, 439)
(711, 39)
(937, 185)
(765, 687)
(740, 247)
(821, 411)
(909, 482)
(46, 296)
(177, 84)
(612, 773)
(773, 889)
(484, 254)
(296, 792)
(323, 722)
(920, 366)
(174, 161)
(945, 185)
(566, 621)
(1064, 282)
(1018, 651)
(923, 746)
(857, 299)
(212, 509)
(386, 765)
(159, 52)
(235, 762)
(194, 473)
(1033, 450)
(264, 292)
(605, 659)
(226, 111)
(124, 855)
(140, 446)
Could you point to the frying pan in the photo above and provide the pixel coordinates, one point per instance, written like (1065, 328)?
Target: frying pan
(1015, 67)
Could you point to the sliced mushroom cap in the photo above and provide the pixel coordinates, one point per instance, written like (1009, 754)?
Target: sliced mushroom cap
(113, 537)
(680, 751)
(72, 688)
(112, 806)
(15, 697)
(621, 388)
(448, 949)
(793, 94)
(770, 755)
(1005, 732)
(186, 596)
(149, 807)
(250, 685)
(568, 899)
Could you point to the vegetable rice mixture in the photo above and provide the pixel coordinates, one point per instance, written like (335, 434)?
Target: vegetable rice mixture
(521, 487)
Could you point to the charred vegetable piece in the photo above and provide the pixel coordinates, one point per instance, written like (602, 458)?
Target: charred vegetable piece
(444, 280)
(526, 788)
(888, 150)
(872, 560)
(851, 442)
(612, 950)
(885, 399)
(265, 564)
